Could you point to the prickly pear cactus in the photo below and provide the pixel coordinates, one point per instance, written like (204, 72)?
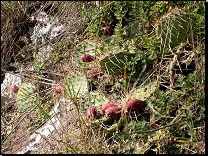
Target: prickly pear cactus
(76, 85)
(88, 47)
(96, 100)
(25, 91)
(173, 28)
(143, 92)
(114, 64)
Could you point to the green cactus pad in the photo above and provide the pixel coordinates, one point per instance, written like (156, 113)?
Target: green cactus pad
(25, 91)
(114, 64)
(106, 45)
(87, 47)
(116, 126)
(96, 100)
(76, 85)
(106, 120)
(173, 28)
(144, 92)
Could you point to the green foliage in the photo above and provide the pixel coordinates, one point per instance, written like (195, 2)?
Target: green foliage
(153, 48)
(183, 100)
(191, 98)
(24, 92)
(197, 12)
(124, 13)
(104, 18)
(39, 121)
(136, 125)
(173, 149)
(153, 9)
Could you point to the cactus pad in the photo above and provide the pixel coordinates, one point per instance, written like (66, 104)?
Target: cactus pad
(87, 47)
(114, 64)
(25, 91)
(76, 85)
(96, 100)
(173, 28)
(144, 92)
(116, 126)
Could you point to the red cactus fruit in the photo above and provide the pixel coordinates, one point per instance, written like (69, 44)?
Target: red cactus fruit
(58, 89)
(14, 89)
(133, 105)
(95, 73)
(88, 57)
(112, 111)
(91, 112)
(107, 105)
(107, 30)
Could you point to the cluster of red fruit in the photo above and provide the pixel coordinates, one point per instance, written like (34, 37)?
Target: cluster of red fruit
(112, 110)
(90, 58)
